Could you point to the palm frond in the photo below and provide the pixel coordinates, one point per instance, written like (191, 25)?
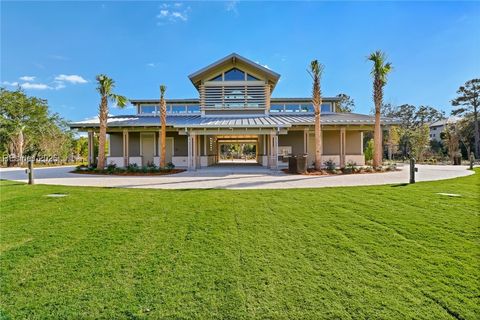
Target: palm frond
(119, 100)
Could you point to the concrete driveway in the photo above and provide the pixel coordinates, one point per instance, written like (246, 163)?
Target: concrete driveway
(231, 178)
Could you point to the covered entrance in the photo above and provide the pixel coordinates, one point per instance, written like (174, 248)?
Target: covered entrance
(237, 149)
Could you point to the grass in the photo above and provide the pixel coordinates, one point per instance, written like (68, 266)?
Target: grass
(391, 252)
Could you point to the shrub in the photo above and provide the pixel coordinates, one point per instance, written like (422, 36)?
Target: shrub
(111, 168)
(170, 166)
(369, 169)
(351, 167)
(369, 150)
(132, 167)
(330, 165)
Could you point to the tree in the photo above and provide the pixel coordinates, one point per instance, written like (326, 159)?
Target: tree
(380, 70)
(105, 86)
(346, 103)
(450, 136)
(420, 140)
(411, 119)
(427, 114)
(468, 102)
(163, 129)
(21, 121)
(315, 71)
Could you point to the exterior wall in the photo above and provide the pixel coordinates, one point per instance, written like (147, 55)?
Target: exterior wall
(134, 144)
(116, 144)
(331, 142)
(353, 143)
(293, 139)
(435, 132)
(180, 144)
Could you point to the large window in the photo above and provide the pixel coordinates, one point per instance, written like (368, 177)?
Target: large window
(234, 75)
(326, 107)
(148, 109)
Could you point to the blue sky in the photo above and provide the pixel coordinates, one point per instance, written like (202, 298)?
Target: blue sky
(55, 49)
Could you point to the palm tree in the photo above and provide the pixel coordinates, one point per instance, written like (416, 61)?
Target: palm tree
(105, 86)
(380, 70)
(315, 72)
(163, 122)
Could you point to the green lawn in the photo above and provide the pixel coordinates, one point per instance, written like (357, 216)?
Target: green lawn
(391, 252)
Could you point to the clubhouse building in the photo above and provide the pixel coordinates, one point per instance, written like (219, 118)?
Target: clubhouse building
(234, 108)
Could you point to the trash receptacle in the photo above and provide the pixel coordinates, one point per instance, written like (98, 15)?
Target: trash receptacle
(292, 164)
(301, 163)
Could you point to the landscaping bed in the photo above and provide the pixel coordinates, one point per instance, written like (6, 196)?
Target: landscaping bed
(130, 170)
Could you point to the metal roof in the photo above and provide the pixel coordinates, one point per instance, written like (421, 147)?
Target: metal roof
(247, 121)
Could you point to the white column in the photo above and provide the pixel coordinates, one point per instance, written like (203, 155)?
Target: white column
(275, 153)
(361, 143)
(189, 148)
(305, 141)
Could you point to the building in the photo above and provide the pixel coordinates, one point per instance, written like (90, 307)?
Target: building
(436, 128)
(234, 107)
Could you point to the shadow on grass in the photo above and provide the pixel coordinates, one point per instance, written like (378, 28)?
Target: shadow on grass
(400, 185)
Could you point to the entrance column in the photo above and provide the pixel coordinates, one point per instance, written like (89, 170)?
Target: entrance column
(342, 147)
(192, 147)
(275, 151)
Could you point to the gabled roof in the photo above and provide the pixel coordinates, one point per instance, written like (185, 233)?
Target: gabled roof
(232, 59)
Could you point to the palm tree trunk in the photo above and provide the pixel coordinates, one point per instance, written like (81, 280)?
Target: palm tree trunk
(103, 133)
(318, 142)
(163, 138)
(377, 141)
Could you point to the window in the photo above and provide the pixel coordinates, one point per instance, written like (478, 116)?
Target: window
(217, 78)
(148, 109)
(326, 107)
(234, 75)
(178, 109)
(276, 108)
(193, 109)
(251, 78)
(292, 108)
(306, 108)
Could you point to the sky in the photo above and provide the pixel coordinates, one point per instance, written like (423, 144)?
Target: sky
(54, 50)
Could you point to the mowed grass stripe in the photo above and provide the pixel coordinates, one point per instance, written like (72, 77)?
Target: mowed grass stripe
(365, 252)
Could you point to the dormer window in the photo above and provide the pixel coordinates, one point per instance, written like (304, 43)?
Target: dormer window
(218, 78)
(234, 75)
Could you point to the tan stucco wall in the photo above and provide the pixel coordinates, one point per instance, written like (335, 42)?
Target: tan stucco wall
(331, 142)
(353, 142)
(180, 144)
(293, 139)
(134, 144)
(116, 144)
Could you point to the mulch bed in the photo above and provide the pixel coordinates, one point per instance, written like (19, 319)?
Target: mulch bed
(313, 172)
(160, 173)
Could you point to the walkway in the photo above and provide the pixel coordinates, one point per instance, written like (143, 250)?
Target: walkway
(231, 177)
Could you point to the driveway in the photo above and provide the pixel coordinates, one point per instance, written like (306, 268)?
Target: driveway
(232, 178)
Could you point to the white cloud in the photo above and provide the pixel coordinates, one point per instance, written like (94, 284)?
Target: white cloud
(263, 65)
(151, 64)
(10, 84)
(231, 6)
(171, 13)
(35, 86)
(73, 78)
(27, 78)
